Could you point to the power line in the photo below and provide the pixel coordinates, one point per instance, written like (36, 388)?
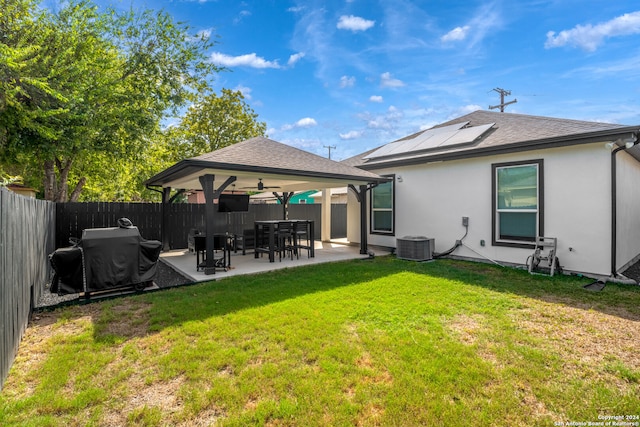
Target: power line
(502, 104)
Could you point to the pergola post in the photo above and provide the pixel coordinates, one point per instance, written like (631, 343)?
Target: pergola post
(207, 182)
(210, 195)
(361, 195)
(364, 247)
(164, 230)
(325, 215)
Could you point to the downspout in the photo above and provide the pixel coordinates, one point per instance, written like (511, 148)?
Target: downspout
(614, 211)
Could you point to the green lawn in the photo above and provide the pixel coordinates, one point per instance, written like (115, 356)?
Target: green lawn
(365, 342)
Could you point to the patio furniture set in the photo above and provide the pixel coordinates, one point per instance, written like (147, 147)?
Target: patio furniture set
(286, 238)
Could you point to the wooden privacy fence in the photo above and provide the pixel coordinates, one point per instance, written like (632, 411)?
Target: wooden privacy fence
(26, 238)
(72, 218)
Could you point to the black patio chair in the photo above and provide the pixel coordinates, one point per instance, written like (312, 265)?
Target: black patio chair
(285, 239)
(246, 240)
(301, 238)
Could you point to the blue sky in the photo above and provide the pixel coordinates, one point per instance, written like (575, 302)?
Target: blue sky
(356, 74)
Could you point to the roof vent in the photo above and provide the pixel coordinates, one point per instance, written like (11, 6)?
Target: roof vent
(415, 248)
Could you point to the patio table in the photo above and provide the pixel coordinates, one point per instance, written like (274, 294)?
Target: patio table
(270, 228)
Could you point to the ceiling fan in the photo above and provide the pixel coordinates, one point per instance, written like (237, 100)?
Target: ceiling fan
(260, 186)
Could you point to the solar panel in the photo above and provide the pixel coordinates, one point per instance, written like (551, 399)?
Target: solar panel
(466, 135)
(432, 139)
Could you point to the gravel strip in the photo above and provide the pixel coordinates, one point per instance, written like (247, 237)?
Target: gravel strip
(166, 277)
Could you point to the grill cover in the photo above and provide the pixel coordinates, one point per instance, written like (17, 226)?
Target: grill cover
(112, 257)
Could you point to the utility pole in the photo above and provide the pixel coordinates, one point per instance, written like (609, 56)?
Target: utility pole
(502, 104)
(329, 147)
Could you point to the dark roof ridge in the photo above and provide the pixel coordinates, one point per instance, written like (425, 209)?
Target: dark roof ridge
(523, 116)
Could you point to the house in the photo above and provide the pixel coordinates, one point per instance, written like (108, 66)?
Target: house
(338, 195)
(22, 190)
(298, 197)
(267, 197)
(510, 178)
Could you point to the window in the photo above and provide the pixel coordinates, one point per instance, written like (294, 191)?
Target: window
(382, 205)
(517, 203)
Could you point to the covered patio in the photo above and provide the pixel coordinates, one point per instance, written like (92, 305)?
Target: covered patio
(260, 164)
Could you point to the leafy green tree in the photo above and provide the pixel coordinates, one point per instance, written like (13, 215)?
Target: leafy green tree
(26, 98)
(124, 180)
(87, 88)
(215, 122)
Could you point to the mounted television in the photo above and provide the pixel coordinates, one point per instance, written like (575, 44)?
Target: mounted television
(233, 203)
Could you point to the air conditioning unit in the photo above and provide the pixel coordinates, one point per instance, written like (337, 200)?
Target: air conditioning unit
(415, 248)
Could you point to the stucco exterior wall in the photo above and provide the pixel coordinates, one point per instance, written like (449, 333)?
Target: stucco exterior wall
(628, 209)
(432, 199)
(353, 218)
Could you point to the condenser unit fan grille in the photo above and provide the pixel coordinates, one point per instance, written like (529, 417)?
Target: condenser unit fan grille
(415, 248)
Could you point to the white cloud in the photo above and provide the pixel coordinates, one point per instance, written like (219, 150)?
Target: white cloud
(387, 81)
(295, 58)
(346, 81)
(248, 60)
(241, 16)
(458, 33)
(485, 21)
(206, 33)
(351, 134)
(375, 98)
(354, 23)
(246, 91)
(306, 122)
(625, 67)
(387, 121)
(589, 37)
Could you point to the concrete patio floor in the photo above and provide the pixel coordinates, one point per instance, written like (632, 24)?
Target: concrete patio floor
(185, 262)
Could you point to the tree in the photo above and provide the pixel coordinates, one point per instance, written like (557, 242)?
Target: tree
(100, 83)
(216, 122)
(26, 98)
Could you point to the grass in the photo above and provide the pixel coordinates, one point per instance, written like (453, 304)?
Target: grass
(366, 342)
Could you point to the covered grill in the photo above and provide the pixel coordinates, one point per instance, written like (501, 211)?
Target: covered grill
(105, 259)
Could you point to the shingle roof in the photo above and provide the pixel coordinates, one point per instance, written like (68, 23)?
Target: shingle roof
(261, 152)
(512, 128)
(511, 131)
(260, 157)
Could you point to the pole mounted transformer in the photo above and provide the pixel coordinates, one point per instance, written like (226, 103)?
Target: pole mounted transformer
(502, 104)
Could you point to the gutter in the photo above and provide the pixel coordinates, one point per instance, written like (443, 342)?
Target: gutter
(473, 152)
(188, 167)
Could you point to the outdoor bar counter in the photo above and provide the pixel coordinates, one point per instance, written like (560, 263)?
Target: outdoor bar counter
(268, 230)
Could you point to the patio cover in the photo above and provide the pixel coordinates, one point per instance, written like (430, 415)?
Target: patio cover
(276, 164)
(279, 167)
